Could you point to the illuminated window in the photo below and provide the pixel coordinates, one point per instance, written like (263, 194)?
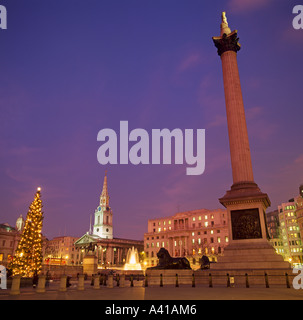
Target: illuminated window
(206, 224)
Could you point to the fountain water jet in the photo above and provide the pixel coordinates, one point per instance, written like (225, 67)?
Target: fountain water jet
(132, 260)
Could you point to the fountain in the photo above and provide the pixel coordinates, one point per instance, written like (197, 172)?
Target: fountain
(132, 260)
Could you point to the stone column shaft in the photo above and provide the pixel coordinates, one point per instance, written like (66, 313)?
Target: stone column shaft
(237, 129)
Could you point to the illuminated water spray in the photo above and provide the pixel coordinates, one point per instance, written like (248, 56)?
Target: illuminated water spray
(132, 260)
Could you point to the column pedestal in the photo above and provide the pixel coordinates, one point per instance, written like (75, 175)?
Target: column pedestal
(90, 264)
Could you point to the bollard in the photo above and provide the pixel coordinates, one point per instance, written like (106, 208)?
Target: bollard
(68, 284)
(246, 280)
(80, 282)
(15, 289)
(210, 281)
(41, 284)
(287, 280)
(228, 280)
(161, 280)
(193, 281)
(122, 281)
(63, 283)
(266, 280)
(146, 281)
(96, 281)
(131, 280)
(177, 280)
(110, 283)
(118, 280)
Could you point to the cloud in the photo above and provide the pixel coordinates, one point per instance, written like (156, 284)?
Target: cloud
(190, 61)
(240, 6)
(299, 160)
(220, 120)
(290, 35)
(259, 126)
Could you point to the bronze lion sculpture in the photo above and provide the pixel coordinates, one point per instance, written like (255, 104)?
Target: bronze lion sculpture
(168, 262)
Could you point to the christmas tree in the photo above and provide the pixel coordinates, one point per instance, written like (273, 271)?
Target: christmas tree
(28, 256)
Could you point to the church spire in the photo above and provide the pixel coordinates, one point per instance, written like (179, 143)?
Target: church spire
(104, 198)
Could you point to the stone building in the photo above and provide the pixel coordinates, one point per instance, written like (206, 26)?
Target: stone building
(110, 251)
(62, 251)
(9, 238)
(290, 232)
(274, 231)
(299, 211)
(189, 234)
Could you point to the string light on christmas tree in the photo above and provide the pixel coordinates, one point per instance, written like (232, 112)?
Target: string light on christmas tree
(28, 257)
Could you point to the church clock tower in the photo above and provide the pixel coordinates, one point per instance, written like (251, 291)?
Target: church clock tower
(103, 224)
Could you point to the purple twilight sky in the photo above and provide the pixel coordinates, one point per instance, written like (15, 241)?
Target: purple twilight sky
(70, 68)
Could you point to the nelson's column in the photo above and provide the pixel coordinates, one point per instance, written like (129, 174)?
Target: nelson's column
(245, 203)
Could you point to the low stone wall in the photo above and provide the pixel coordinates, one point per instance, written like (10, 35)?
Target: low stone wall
(213, 278)
(56, 271)
(169, 277)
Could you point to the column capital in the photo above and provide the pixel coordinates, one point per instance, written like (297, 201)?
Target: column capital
(227, 42)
